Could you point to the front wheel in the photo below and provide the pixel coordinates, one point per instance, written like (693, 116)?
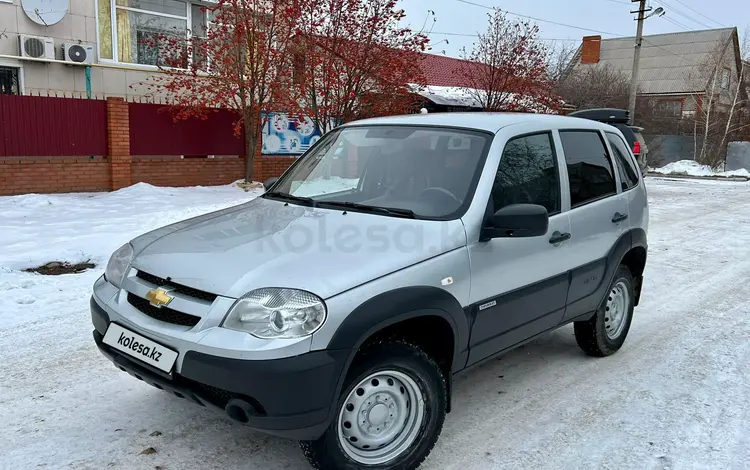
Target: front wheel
(389, 415)
(604, 334)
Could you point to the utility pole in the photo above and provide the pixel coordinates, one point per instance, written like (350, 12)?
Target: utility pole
(636, 56)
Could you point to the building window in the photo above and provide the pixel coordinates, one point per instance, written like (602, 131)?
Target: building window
(9, 81)
(147, 32)
(669, 108)
(726, 79)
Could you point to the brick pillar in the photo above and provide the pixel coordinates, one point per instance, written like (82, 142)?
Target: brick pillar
(118, 142)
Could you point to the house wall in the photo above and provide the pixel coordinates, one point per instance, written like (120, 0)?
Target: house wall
(724, 97)
(79, 25)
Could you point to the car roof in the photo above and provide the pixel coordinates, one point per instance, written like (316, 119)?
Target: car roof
(484, 121)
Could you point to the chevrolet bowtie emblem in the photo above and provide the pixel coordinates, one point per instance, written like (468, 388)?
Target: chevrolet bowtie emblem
(159, 297)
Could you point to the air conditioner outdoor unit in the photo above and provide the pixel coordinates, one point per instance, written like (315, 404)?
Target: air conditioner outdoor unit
(78, 53)
(36, 47)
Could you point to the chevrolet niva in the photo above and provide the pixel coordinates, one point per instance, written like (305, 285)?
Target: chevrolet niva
(337, 308)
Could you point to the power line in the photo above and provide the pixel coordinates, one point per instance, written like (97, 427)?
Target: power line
(697, 12)
(677, 23)
(540, 19)
(577, 27)
(662, 2)
(441, 33)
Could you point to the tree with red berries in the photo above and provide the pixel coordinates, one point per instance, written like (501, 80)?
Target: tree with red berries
(354, 60)
(508, 67)
(239, 61)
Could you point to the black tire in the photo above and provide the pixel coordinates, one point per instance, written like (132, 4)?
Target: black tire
(592, 336)
(327, 453)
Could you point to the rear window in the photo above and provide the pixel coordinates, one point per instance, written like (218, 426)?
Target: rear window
(628, 175)
(590, 172)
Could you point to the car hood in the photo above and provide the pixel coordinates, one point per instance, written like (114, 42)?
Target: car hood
(268, 243)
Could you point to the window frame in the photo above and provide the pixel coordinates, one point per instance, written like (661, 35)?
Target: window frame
(630, 160)
(615, 175)
(670, 101)
(19, 73)
(555, 158)
(115, 40)
(726, 73)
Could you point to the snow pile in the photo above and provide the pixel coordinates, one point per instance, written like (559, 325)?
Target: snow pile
(693, 168)
(38, 228)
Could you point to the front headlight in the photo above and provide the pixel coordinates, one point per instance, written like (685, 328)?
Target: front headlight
(118, 264)
(273, 313)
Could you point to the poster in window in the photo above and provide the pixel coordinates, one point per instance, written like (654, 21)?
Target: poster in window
(286, 135)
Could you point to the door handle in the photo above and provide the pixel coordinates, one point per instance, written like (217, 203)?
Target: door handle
(619, 217)
(558, 237)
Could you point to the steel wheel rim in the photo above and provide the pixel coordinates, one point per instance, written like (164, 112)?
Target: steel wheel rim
(616, 310)
(381, 417)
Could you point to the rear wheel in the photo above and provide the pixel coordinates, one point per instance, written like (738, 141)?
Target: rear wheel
(604, 334)
(390, 413)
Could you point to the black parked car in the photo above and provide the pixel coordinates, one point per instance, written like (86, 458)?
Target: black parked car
(619, 118)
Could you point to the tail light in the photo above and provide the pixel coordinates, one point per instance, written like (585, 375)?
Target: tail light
(637, 148)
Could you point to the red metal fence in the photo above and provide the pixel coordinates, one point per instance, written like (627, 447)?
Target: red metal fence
(38, 126)
(154, 131)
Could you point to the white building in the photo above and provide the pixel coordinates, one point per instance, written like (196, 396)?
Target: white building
(116, 36)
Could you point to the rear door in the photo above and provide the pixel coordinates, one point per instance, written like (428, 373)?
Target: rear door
(630, 180)
(598, 214)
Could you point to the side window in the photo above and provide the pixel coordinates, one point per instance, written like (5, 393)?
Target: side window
(628, 176)
(528, 174)
(590, 171)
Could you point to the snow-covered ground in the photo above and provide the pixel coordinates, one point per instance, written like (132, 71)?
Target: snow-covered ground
(676, 396)
(693, 168)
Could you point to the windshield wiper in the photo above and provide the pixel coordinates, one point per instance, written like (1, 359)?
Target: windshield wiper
(396, 211)
(292, 197)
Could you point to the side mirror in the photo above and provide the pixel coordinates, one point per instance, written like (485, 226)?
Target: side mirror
(517, 221)
(269, 182)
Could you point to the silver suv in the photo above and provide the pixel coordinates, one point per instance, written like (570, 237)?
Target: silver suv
(337, 308)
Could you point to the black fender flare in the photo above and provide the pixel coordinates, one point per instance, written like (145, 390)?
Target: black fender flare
(586, 308)
(638, 238)
(394, 306)
(632, 238)
(397, 305)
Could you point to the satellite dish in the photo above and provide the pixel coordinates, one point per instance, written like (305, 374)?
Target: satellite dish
(45, 12)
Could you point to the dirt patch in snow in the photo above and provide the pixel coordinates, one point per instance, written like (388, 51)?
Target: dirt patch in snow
(55, 268)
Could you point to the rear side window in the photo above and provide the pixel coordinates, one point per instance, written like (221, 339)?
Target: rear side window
(628, 176)
(590, 172)
(528, 174)
(630, 136)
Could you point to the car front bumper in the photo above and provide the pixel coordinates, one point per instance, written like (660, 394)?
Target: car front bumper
(290, 397)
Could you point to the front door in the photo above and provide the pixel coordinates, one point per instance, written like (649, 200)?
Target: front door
(518, 286)
(598, 216)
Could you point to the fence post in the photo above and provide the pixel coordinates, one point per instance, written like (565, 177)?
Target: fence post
(118, 142)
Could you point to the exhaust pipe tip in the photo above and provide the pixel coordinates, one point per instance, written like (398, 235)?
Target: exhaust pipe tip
(239, 410)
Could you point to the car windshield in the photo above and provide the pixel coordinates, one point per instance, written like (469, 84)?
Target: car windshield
(403, 171)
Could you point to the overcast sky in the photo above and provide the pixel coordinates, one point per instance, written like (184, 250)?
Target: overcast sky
(610, 16)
